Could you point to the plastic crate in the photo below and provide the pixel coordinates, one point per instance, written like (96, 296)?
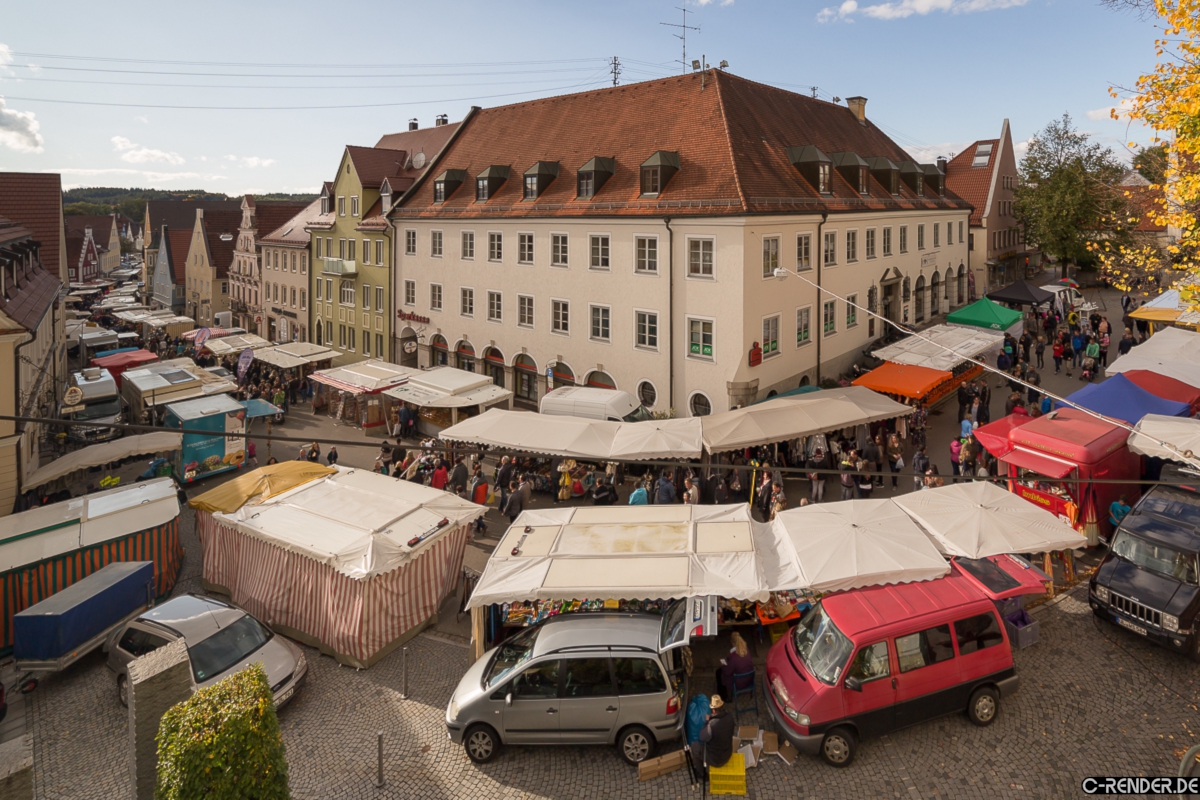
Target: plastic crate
(1022, 629)
(777, 631)
(729, 779)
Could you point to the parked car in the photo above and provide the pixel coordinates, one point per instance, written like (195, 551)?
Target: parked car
(1149, 582)
(866, 662)
(589, 678)
(221, 640)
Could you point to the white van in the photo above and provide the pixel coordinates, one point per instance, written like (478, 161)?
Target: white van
(592, 403)
(1072, 298)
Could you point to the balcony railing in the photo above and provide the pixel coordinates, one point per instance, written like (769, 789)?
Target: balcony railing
(339, 266)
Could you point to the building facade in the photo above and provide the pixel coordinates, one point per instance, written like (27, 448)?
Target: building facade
(34, 201)
(176, 215)
(84, 256)
(168, 284)
(285, 277)
(210, 255)
(985, 175)
(105, 232)
(245, 275)
(715, 244)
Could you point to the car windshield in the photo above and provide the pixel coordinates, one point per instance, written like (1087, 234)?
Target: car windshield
(105, 408)
(639, 414)
(1163, 560)
(821, 646)
(510, 655)
(227, 647)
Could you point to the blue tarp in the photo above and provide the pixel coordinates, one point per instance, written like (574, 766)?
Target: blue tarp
(256, 408)
(63, 621)
(1120, 398)
(104, 353)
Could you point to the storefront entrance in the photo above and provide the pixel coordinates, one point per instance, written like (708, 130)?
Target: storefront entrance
(408, 348)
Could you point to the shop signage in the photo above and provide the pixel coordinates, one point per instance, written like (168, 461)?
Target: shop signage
(929, 260)
(285, 313)
(74, 396)
(410, 317)
(756, 355)
(73, 409)
(701, 350)
(410, 347)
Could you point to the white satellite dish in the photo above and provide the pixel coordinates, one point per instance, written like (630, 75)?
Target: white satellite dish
(418, 160)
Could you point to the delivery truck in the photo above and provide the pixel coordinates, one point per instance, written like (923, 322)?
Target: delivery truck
(92, 396)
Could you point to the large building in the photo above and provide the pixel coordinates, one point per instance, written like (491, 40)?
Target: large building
(633, 237)
(84, 255)
(285, 277)
(214, 237)
(32, 351)
(176, 215)
(352, 283)
(246, 274)
(985, 175)
(104, 231)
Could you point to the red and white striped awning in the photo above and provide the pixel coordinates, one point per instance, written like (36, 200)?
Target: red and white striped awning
(215, 333)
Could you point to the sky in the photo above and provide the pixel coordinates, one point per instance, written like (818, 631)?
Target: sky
(243, 97)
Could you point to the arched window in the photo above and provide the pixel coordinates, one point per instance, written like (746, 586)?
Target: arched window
(647, 394)
(601, 380)
(919, 300)
(935, 295)
(700, 405)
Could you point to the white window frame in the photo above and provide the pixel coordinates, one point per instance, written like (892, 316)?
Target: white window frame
(410, 293)
(803, 251)
(600, 261)
(366, 296)
(379, 251)
(828, 247)
(498, 241)
(346, 289)
(555, 328)
(435, 289)
(869, 243)
(851, 245)
(832, 321)
(778, 320)
(713, 333)
(466, 297)
(366, 253)
(637, 254)
(851, 311)
(466, 240)
(808, 338)
(341, 203)
(410, 242)
(523, 250)
(640, 342)
(712, 266)
(887, 241)
(379, 299)
(770, 256)
(592, 309)
(560, 250)
(521, 298)
(498, 298)
(354, 205)
(437, 244)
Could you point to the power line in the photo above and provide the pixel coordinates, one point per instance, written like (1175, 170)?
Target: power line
(305, 65)
(299, 77)
(309, 87)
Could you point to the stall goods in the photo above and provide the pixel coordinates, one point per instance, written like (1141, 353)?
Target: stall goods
(327, 559)
(219, 426)
(47, 549)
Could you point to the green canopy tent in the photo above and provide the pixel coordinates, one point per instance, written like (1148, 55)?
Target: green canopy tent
(985, 314)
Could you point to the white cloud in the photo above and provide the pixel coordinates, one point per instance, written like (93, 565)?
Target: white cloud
(251, 161)
(900, 9)
(6, 58)
(19, 129)
(1021, 148)
(134, 153)
(142, 119)
(928, 154)
(1122, 109)
(34, 68)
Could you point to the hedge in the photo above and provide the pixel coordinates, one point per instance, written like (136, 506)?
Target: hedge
(223, 743)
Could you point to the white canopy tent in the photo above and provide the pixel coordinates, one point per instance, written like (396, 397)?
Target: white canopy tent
(786, 418)
(447, 387)
(930, 348)
(980, 519)
(1182, 433)
(232, 345)
(642, 552)
(293, 354)
(573, 437)
(858, 543)
(1173, 352)
(106, 453)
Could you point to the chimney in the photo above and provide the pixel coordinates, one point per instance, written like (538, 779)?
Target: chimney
(412, 124)
(941, 163)
(87, 231)
(441, 120)
(859, 106)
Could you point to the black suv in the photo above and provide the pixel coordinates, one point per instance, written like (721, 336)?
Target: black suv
(1149, 582)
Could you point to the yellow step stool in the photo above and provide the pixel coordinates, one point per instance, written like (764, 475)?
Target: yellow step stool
(729, 779)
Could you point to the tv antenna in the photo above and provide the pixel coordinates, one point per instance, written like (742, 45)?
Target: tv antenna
(682, 35)
(615, 68)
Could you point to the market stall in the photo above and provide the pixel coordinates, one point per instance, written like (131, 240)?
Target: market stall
(155, 385)
(47, 549)
(1120, 398)
(1021, 293)
(294, 355)
(1066, 443)
(354, 392)
(118, 363)
(1172, 352)
(785, 418)
(917, 383)
(989, 315)
(442, 396)
(350, 562)
(1154, 433)
(235, 344)
(220, 428)
(170, 326)
(598, 557)
(946, 348)
(98, 455)
(1166, 388)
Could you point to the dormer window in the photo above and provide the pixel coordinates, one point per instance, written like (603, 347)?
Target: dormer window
(935, 178)
(657, 171)
(445, 184)
(854, 170)
(913, 175)
(814, 166)
(864, 181)
(886, 172)
(538, 177)
(593, 175)
(488, 182)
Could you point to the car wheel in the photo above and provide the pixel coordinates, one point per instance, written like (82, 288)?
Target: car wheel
(635, 744)
(984, 706)
(123, 690)
(839, 746)
(481, 744)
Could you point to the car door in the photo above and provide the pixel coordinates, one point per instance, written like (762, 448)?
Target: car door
(872, 705)
(928, 675)
(644, 693)
(589, 707)
(531, 716)
(135, 642)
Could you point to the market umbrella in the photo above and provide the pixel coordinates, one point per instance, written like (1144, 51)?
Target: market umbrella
(1154, 430)
(987, 314)
(1021, 293)
(980, 519)
(858, 543)
(1068, 282)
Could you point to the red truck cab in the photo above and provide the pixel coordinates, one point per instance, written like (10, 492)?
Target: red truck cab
(866, 662)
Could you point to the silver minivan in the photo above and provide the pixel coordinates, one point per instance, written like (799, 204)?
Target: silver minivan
(587, 678)
(221, 639)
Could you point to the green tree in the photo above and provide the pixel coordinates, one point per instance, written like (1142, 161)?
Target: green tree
(223, 743)
(1069, 193)
(1151, 163)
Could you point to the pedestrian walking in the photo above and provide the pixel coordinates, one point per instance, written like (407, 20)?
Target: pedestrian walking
(817, 479)
(847, 477)
(1056, 351)
(1040, 352)
(895, 456)
(332, 456)
(314, 453)
(955, 452)
(515, 504)
(252, 452)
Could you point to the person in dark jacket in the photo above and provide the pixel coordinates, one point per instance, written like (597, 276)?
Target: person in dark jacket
(458, 478)
(332, 456)
(665, 492)
(602, 495)
(737, 662)
(504, 476)
(715, 747)
(515, 504)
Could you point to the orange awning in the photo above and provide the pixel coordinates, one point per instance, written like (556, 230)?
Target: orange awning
(903, 379)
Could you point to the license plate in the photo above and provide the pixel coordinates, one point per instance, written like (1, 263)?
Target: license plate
(1124, 623)
(285, 696)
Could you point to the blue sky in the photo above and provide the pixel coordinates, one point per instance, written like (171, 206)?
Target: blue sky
(938, 74)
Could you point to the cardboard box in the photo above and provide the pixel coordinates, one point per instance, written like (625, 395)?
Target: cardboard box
(663, 765)
(787, 753)
(748, 732)
(770, 744)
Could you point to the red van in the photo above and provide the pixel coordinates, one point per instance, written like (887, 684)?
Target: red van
(865, 662)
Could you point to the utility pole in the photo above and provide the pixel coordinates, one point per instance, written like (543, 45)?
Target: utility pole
(814, 92)
(615, 69)
(683, 29)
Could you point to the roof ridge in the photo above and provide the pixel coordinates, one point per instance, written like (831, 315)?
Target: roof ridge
(733, 162)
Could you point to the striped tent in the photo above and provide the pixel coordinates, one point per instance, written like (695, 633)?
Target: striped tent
(329, 562)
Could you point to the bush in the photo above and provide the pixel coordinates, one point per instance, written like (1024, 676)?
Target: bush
(223, 743)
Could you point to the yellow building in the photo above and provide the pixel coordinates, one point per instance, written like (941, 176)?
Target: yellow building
(214, 237)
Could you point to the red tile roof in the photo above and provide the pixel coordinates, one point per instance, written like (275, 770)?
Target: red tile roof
(374, 164)
(373, 219)
(423, 140)
(179, 245)
(220, 233)
(973, 183)
(11, 231)
(101, 226)
(270, 215)
(292, 231)
(180, 214)
(34, 291)
(34, 199)
(731, 137)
